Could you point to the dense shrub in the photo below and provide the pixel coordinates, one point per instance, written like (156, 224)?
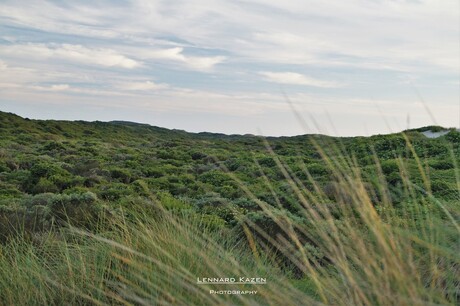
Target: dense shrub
(215, 178)
(198, 155)
(453, 136)
(122, 175)
(113, 191)
(390, 166)
(444, 189)
(267, 162)
(317, 169)
(441, 164)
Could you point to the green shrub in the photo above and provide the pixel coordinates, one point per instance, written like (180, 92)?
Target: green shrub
(79, 209)
(390, 166)
(453, 136)
(113, 191)
(317, 169)
(215, 177)
(441, 164)
(172, 203)
(44, 185)
(444, 189)
(267, 162)
(197, 155)
(122, 175)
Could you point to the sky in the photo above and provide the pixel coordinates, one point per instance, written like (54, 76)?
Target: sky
(354, 67)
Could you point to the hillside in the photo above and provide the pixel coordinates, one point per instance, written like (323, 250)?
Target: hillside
(112, 160)
(120, 212)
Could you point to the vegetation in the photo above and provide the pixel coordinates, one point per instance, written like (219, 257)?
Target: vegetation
(125, 213)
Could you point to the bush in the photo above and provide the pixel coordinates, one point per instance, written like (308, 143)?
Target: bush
(8, 190)
(317, 169)
(444, 189)
(42, 199)
(267, 162)
(453, 136)
(389, 166)
(53, 146)
(171, 203)
(47, 177)
(441, 164)
(79, 209)
(44, 185)
(114, 191)
(198, 155)
(215, 177)
(122, 175)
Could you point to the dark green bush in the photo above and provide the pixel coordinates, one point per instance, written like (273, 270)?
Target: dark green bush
(122, 175)
(215, 177)
(44, 185)
(444, 189)
(441, 164)
(267, 162)
(197, 155)
(114, 191)
(317, 169)
(79, 209)
(390, 166)
(453, 136)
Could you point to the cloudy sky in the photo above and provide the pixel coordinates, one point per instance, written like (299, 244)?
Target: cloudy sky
(348, 67)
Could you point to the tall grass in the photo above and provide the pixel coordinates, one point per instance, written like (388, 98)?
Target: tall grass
(352, 250)
(148, 260)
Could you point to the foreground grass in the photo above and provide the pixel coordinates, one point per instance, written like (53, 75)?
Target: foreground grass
(349, 252)
(144, 261)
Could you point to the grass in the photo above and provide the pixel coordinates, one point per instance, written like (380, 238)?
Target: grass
(143, 261)
(349, 252)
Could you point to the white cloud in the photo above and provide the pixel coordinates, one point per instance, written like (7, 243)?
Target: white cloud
(74, 53)
(142, 86)
(19, 75)
(293, 78)
(42, 73)
(200, 63)
(99, 56)
(59, 87)
(357, 33)
(47, 16)
(54, 87)
(204, 63)
(3, 65)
